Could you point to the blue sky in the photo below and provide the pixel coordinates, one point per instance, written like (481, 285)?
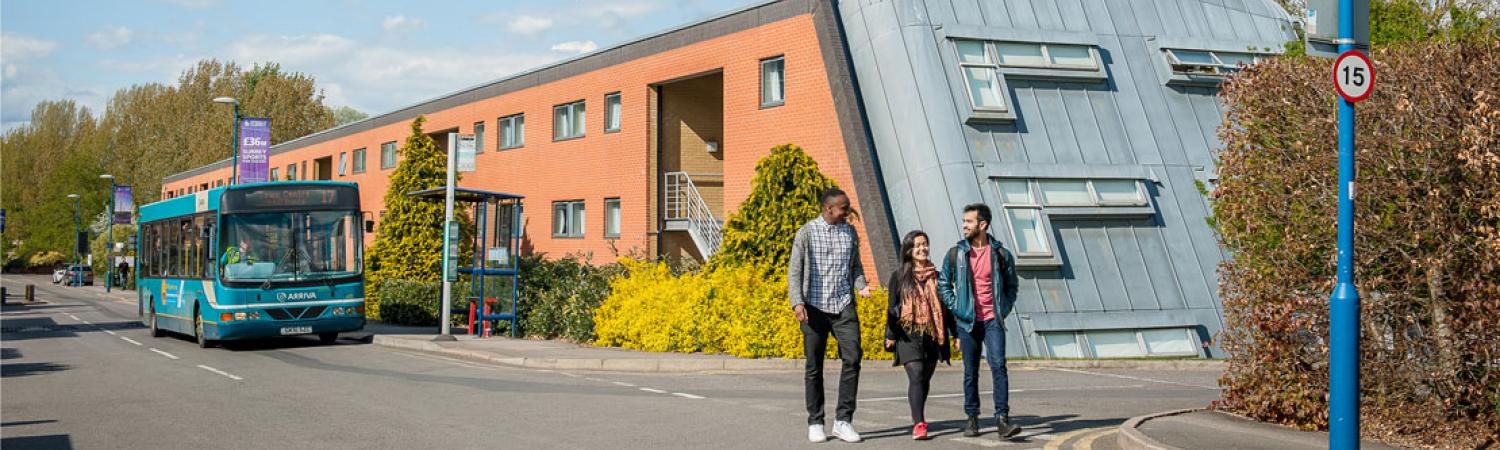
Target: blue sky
(372, 55)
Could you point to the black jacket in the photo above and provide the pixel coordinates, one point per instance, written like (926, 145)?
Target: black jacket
(906, 343)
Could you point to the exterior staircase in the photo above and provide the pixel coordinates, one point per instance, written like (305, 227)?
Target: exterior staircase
(687, 211)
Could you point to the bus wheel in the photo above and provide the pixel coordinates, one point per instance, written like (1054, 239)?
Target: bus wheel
(155, 332)
(203, 341)
(328, 338)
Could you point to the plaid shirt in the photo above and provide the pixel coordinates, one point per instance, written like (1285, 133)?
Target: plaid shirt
(828, 271)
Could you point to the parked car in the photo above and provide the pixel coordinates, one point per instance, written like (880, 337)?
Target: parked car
(83, 272)
(59, 273)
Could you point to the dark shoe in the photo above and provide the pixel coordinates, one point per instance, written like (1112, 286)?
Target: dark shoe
(971, 428)
(1006, 428)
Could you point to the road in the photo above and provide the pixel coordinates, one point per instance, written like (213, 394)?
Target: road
(80, 372)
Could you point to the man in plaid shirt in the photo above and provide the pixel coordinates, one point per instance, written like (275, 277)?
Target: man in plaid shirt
(822, 276)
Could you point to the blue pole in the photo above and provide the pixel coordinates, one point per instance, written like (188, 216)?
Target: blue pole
(73, 273)
(234, 178)
(1343, 370)
(109, 265)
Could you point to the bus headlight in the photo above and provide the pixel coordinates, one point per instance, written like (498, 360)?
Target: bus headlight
(239, 316)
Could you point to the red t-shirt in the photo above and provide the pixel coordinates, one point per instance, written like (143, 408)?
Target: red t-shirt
(984, 282)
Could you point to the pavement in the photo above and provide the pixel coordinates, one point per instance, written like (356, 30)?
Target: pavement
(81, 372)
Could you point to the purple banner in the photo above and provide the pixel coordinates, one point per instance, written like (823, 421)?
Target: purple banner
(124, 204)
(255, 149)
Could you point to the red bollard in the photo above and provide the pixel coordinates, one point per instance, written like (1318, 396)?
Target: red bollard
(471, 318)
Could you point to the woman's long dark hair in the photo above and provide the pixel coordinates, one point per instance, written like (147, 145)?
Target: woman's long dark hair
(905, 276)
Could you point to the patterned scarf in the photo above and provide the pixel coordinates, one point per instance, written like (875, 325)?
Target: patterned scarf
(921, 313)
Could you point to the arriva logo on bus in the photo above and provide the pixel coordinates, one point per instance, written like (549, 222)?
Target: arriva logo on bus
(284, 296)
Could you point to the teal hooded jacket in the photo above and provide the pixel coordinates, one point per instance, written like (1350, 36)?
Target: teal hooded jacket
(956, 283)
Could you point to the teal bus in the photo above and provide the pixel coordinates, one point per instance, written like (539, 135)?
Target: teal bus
(253, 261)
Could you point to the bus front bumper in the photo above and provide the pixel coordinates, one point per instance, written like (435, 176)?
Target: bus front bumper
(275, 328)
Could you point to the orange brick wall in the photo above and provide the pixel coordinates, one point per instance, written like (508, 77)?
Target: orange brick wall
(601, 165)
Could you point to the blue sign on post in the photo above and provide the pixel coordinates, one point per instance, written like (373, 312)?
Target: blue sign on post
(255, 149)
(124, 205)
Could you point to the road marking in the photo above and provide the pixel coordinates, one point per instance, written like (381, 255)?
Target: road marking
(1128, 377)
(691, 396)
(111, 333)
(1087, 442)
(130, 340)
(85, 322)
(622, 383)
(653, 391)
(1013, 391)
(574, 375)
(980, 441)
(220, 372)
(74, 317)
(1056, 444)
(159, 352)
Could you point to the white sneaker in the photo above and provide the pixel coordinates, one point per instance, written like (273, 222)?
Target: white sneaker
(845, 430)
(815, 433)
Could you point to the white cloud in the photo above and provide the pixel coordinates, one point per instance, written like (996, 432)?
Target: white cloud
(289, 50)
(576, 47)
(111, 38)
(17, 47)
(528, 25)
(402, 23)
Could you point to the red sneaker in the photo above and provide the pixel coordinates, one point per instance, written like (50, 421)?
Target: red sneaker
(919, 431)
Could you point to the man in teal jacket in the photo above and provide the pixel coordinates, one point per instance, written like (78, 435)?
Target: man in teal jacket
(978, 283)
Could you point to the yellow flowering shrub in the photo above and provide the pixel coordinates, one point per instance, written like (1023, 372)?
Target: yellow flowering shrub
(734, 310)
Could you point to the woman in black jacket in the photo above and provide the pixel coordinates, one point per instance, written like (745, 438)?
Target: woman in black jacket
(917, 327)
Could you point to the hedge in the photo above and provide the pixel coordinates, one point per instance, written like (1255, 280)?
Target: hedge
(1428, 235)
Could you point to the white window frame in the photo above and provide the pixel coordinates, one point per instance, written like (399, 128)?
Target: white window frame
(343, 164)
(516, 136)
(1218, 68)
(360, 158)
(576, 123)
(614, 204)
(1032, 204)
(1094, 198)
(1046, 56)
(1086, 348)
(275, 174)
(573, 209)
(1044, 210)
(780, 81)
(395, 159)
(291, 172)
(994, 71)
(478, 137)
(612, 110)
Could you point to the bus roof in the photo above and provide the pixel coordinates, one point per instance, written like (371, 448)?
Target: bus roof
(208, 200)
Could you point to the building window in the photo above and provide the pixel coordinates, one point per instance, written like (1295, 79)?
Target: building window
(567, 219)
(291, 172)
(305, 175)
(981, 76)
(359, 160)
(1127, 343)
(1028, 229)
(1026, 205)
(478, 137)
(343, 163)
(1065, 192)
(513, 131)
(1045, 56)
(388, 155)
(611, 217)
(612, 112)
(1204, 62)
(275, 174)
(567, 121)
(773, 81)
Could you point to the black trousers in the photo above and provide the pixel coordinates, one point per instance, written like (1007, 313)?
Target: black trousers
(845, 328)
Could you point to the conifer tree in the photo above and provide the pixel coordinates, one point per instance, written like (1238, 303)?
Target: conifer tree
(409, 243)
(783, 197)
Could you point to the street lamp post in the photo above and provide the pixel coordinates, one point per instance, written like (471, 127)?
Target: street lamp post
(72, 274)
(109, 214)
(235, 171)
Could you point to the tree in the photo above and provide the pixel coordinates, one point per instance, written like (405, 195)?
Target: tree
(345, 115)
(409, 243)
(1405, 22)
(783, 196)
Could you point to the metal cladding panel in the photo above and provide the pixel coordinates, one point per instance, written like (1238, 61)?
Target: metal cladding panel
(932, 156)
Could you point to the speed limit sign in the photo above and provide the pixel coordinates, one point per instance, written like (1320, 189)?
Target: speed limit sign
(1354, 76)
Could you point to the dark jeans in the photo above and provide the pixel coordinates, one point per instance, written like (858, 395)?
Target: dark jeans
(845, 328)
(992, 334)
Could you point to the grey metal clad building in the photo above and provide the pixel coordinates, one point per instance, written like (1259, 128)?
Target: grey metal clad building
(1089, 127)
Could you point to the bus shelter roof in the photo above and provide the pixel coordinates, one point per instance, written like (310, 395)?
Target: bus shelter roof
(464, 195)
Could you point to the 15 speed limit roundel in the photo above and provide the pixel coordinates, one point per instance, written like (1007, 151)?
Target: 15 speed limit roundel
(1353, 76)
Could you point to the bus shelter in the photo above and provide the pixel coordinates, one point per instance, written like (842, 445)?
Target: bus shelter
(493, 273)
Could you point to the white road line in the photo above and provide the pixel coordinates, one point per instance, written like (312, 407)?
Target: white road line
(989, 443)
(574, 375)
(653, 391)
(74, 317)
(126, 339)
(691, 396)
(85, 322)
(1013, 391)
(111, 333)
(169, 355)
(220, 372)
(622, 383)
(1128, 377)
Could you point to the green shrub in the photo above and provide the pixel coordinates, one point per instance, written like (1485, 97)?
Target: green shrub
(558, 297)
(783, 197)
(409, 302)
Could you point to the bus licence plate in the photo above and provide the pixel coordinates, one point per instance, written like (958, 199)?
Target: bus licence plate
(296, 330)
